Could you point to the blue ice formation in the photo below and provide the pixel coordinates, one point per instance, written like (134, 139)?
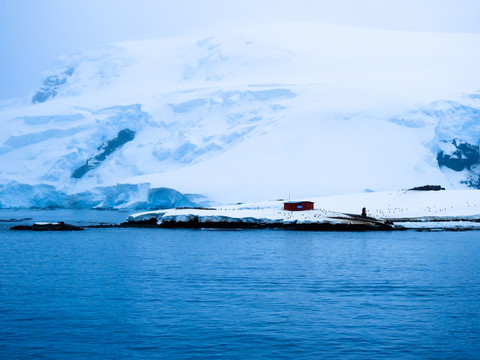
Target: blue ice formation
(122, 196)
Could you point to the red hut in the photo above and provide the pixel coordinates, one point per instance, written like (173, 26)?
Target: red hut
(298, 205)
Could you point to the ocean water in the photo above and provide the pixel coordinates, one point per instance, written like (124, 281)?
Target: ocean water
(253, 294)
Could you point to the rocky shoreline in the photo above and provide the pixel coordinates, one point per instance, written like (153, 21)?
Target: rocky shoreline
(357, 225)
(56, 226)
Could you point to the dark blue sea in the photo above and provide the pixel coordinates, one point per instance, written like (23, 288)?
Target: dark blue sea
(253, 294)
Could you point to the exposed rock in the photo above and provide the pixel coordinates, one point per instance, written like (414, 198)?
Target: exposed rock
(459, 157)
(150, 223)
(51, 85)
(57, 226)
(108, 148)
(427, 188)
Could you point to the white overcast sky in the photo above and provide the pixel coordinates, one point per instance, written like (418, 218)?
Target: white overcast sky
(34, 33)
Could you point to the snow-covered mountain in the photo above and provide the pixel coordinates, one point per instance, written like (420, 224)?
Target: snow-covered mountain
(260, 113)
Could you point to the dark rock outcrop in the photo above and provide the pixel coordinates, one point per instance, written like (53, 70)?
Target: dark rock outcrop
(107, 149)
(58, 226)
(463, 157)
(427, 188)
(51, 85)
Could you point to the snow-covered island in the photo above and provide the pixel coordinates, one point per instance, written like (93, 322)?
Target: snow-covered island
(391, 210)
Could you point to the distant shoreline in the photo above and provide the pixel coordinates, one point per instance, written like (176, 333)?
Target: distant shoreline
(451, 224)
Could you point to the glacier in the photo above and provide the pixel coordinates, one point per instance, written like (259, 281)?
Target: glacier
(264, 112)
(122, 196)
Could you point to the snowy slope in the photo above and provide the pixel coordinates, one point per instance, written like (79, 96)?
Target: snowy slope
(260, 113)
(451, 209)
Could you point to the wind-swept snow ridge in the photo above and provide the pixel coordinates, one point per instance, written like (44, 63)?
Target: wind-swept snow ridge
(261, 113)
